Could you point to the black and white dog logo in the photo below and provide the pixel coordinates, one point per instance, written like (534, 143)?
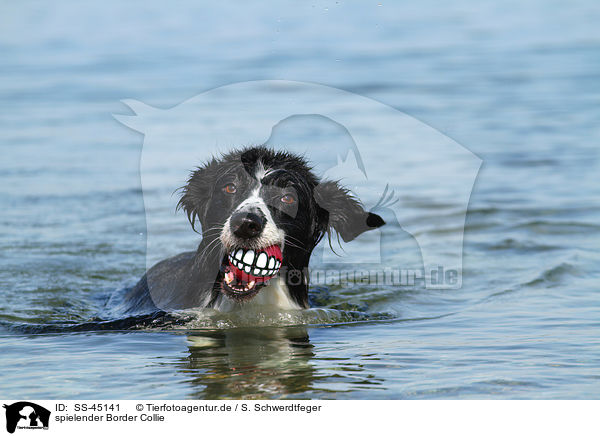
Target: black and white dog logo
(26, 415)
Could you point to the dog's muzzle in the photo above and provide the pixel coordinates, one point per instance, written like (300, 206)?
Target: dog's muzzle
(253, 245)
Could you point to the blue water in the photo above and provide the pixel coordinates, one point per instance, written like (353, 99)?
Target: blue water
(517, 83)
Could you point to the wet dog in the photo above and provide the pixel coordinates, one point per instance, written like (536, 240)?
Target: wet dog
(262, 212)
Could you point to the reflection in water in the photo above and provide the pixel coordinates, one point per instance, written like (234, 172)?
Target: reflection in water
(250, 363)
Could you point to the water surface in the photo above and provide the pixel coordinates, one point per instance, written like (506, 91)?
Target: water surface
(516, 84)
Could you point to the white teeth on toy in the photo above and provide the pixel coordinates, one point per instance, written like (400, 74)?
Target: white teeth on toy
(261, 261)
(257, 263)
(249, 257)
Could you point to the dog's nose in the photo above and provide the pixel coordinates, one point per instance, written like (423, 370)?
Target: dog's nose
(246, 224)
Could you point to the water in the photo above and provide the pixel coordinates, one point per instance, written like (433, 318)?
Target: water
(516, 84)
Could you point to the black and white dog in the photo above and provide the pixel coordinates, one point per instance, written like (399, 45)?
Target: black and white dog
(262, 213)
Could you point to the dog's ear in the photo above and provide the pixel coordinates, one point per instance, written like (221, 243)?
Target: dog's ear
(342, 212)
(196, 194)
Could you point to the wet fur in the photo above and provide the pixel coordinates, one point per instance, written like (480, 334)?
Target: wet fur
(193, 279)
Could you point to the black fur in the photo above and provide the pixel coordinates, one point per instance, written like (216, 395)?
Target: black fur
(321, 208)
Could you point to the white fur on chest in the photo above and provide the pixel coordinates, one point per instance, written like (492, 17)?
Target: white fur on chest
(274, 296)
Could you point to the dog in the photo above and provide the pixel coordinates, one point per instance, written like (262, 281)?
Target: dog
(262, 212)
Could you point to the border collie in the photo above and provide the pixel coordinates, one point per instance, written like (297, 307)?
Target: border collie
(262, 212)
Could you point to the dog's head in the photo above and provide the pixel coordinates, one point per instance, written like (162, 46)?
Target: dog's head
(262, 213)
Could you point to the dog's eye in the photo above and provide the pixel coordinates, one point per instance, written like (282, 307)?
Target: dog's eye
(288, 199)
(230, 188)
